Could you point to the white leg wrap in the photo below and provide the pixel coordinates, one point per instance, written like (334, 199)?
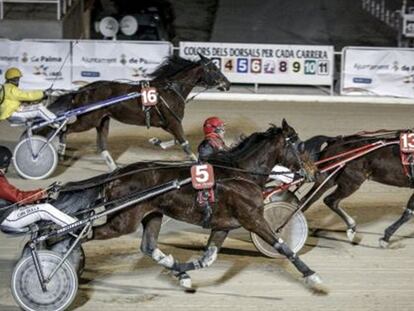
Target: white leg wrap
(109, 161)
(162, 259)
(186, 283)
(209, 257)
(167, 144)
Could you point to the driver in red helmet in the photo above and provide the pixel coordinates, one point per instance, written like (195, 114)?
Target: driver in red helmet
(26, 211)
(213, 138)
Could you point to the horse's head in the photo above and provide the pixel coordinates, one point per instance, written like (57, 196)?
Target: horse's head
(212, 76)
(295, 156)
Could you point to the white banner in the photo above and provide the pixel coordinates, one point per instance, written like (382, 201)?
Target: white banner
(42, 63)
(267, 63)
(378, 71)
(116, 60)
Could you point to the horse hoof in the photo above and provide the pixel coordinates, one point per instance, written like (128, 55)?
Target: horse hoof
(383, 243)
(109, 161)
(185, 282)
(314, 282)
(351, 234)
(155, 141)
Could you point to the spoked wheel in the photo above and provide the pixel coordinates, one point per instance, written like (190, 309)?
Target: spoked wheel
(60, 290)
(294, 233)
(35, 158)
(285, 196)
(76, 258)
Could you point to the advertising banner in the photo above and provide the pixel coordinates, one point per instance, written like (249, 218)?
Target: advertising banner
(43, 64)
(378, 71)
(267, 63)
(116, 60)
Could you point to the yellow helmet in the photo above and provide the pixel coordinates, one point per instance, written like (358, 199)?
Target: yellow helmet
(13, 73)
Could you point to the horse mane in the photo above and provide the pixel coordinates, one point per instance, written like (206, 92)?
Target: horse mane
(244, 149)
(171, 66)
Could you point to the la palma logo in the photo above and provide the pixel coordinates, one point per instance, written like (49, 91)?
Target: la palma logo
(40, 70)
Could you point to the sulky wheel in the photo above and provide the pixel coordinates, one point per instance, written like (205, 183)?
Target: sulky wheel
(294, 233)
(35, 158)
(76, 257)
(286, 196)
(60, 290)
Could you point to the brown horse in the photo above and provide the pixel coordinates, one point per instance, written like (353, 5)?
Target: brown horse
(383, 166)
(240, 175)
(174, 80)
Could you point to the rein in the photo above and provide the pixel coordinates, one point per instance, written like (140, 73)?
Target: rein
(112, 176)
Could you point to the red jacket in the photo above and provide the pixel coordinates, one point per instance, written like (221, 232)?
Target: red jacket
(10, 193)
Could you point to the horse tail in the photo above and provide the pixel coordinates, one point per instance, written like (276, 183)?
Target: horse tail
(314, 145)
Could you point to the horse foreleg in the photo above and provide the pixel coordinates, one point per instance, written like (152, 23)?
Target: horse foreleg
(406, 216)
(178, 132)
(152, 225)
(209, 256)
(62, 146)
(259, 225)
(347, 185)
(312, 196)
(102, 143)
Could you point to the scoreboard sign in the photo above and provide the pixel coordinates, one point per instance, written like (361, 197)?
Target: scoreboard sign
(267, 63)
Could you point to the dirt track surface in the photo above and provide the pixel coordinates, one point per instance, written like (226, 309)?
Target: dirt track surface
(360, 277)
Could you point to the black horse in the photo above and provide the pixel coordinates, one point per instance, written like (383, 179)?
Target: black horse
(174, 79)
(240, 175)
(382, 165)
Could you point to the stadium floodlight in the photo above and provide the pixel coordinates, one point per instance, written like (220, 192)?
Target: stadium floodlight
(109, 27)
(129, 25)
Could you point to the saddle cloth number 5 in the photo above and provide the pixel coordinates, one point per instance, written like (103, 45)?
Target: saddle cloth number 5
(202, 176)
(149, 96)
(407, 142)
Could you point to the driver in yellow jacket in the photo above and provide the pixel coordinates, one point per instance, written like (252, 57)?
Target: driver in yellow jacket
(11, 97)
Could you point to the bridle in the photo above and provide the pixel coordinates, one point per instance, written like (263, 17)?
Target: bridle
(206, 86)
(293, 142)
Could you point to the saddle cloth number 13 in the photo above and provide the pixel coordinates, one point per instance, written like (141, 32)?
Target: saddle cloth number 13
(202, 176)
(407, 142)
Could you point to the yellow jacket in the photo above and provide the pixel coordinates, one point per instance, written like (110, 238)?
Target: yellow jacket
(13, 96)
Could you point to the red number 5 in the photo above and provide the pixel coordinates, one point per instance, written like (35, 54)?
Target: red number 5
(202, 176)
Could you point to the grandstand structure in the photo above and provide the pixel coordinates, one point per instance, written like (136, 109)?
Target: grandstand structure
(44, 19)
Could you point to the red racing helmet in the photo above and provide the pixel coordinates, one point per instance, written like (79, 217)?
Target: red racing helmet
(212, 124)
